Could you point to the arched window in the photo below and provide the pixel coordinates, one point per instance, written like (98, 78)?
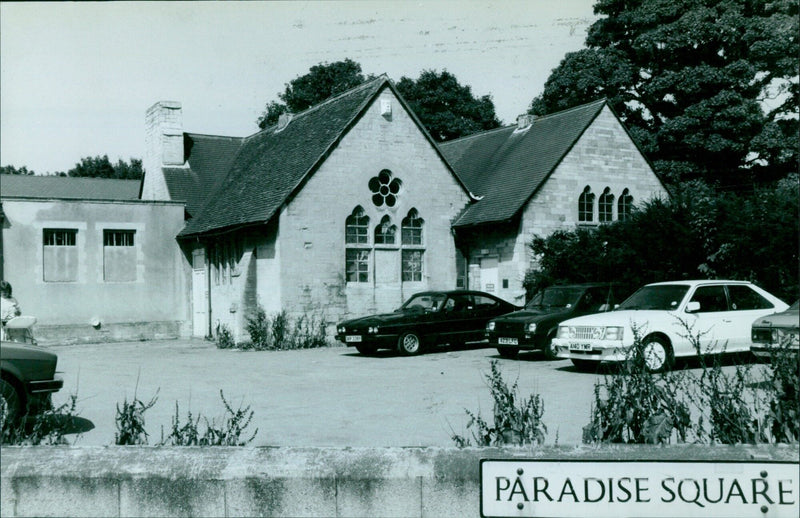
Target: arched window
(412, 228)
(385, 232)
(357, 255)
(586, 205)
(605, 206)
(357, 227)
(624, 205)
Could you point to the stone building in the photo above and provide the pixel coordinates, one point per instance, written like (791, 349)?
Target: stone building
(91, 261)
(349, 207)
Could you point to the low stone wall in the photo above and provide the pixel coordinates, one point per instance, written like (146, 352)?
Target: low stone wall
(331, 482)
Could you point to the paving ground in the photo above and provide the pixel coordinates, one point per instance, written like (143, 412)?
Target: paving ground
(318, 397)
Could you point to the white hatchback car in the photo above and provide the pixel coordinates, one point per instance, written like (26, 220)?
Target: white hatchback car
(666, 315)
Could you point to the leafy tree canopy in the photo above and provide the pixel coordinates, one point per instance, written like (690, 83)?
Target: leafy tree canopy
(445, 107)
(101, 167)
(321, 82)
(708, 88)
(10, 169)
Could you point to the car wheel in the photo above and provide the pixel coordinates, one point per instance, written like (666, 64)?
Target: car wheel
(585, 365)
(657, 354)
(366, 350)
(10, 402)
(409, 344)
(549, 350)
(508, 352)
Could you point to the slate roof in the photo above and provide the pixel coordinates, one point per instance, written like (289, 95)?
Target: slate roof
(506, 166)
(209, 158)
(66, 187)
(270, 166)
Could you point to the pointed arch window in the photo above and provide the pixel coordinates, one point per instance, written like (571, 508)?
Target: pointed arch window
(586, 205)
(624, 205)
(357, 227)
(412, 228)
(385, 232)
(605, 206)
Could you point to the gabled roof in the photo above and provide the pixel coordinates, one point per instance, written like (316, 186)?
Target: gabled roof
(67, 187)
(272, 165)
(506, 166)
(208, 159)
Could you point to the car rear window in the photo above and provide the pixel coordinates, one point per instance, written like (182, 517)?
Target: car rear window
(662, 297)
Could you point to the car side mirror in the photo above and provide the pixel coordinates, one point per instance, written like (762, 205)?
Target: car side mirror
(693, 307)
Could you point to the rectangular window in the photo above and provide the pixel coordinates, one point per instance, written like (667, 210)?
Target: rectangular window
(119, 256)
(357, 265)
(412, 265)
(60, 254)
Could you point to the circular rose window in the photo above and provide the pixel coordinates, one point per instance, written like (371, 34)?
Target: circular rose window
(384, 189)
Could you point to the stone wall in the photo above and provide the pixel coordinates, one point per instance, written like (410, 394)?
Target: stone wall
(309, 482)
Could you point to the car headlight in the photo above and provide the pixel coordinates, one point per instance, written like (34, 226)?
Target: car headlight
(563, 332)
(491, 326)
(342, 330)
(373, 330)
(532, 327)
(614, 333)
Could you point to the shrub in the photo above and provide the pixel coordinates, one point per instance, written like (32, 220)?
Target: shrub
(130, 421)
(783, 385)
(519, 424)
(258, 327)
(229, 433)
(47, 428)
(225, 337)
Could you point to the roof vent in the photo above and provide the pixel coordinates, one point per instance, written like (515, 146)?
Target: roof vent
(283, 121)
(525, 120)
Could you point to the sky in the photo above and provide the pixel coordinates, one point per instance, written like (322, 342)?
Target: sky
(77, 78)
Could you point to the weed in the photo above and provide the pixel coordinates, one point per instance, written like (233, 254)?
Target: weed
(225, 337)
(280, 332)
(46, 428)
(632, 405)
(783, 382)
(130, 421)
(229, 433)
(519, 424)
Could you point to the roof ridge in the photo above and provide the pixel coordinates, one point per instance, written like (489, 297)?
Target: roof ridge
(329, 100)
(191, 133)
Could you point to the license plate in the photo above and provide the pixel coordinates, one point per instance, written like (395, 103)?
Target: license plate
(352, 338)
(580, 347)
(508, 341)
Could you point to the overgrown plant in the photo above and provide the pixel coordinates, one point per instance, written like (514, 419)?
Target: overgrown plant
(47, 428)
(225, 337)
(280, 332)
(517, 421)
(130, 421)
(783, 382)
(229, 433)
(633, 405)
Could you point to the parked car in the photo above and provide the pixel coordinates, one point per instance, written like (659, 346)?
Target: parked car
(534, 327)
(424, 320)
(27, 372)
(777, 333)
(665, 316)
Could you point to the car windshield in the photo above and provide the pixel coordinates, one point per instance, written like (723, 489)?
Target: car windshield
(424, 302)
(663, 297)
(556, 297)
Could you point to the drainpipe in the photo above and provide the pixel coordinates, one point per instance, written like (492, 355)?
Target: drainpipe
(208, 289)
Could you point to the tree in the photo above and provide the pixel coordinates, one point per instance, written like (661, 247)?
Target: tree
(10, 169)
(446, 108)
(101, 167)
(321, 82)
(690, 79)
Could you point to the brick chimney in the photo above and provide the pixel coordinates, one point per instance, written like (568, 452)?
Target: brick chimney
(163, 147)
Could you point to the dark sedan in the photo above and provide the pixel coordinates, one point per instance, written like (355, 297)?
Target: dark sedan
(533, 328)
(28, 379)
(425, 320)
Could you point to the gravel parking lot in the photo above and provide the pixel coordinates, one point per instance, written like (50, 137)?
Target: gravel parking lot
(316, 397)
